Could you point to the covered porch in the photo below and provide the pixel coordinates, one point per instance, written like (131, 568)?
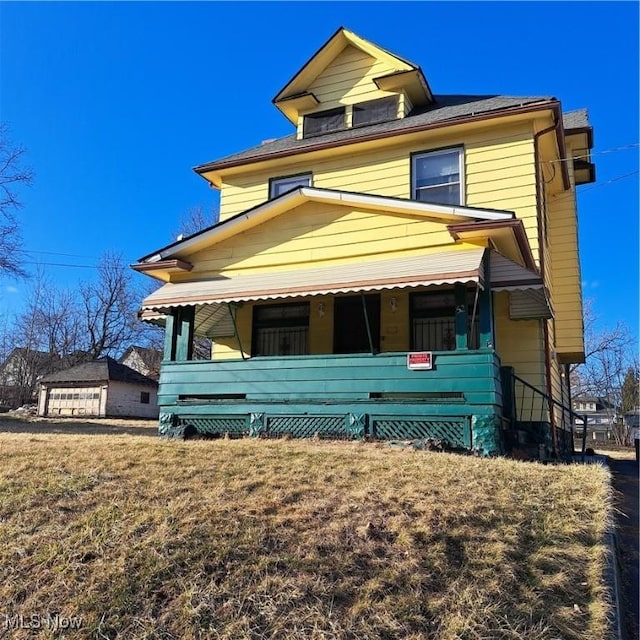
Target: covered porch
(390, 349)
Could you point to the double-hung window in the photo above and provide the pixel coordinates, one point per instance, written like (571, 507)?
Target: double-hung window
(437, 176)
(278, 186)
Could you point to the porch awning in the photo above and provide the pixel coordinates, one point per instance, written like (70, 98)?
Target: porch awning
(416, 271)
(211, 296)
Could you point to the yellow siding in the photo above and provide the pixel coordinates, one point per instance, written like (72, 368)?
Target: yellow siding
(394, 325)
(314, 235)
(224, 348)
(564, 272)
(499, 171)
(519, 343)
(349, 80)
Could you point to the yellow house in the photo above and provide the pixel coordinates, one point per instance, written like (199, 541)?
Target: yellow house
(403, 265)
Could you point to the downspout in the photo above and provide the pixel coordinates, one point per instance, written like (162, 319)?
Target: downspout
(539, 186)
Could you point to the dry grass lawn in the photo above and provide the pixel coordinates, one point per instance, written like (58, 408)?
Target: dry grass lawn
(143, 538)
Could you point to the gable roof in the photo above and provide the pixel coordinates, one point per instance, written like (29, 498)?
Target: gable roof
(296, 90)
(39, 359)
(296, 197)
(150, 357)
(101, 370)
(446, 109)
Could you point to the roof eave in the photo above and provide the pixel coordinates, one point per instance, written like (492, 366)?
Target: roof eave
(458, 230)
(498, 113)
(303, 194)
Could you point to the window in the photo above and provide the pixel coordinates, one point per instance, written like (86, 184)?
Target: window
(372, 111)
(437, 176)
(144, 397)
(278, 186)
(433, 321)
(281, 330)
(316, 124)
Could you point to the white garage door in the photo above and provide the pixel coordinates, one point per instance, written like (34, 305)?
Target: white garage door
(78, 401)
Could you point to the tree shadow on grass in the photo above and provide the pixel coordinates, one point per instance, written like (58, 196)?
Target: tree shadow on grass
(77, 428)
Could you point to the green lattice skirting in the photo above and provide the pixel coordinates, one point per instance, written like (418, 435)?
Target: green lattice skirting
(454, 430)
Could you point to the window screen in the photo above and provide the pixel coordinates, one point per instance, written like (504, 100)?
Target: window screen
(373, 111)
(316, 124)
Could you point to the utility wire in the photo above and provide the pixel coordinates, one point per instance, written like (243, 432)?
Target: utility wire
(616, 179)
(60, 264)
(626, 147)
(56, 253)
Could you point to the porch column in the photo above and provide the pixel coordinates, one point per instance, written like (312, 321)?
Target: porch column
(178, 339)
(485, 303)
(462, 316)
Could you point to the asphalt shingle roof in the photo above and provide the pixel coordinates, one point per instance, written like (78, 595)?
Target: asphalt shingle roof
(446, 107)
(100, 370)
(578, 119)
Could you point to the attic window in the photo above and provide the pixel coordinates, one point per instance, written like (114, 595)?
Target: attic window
(373, 111)
(315, 124)
(278, 186)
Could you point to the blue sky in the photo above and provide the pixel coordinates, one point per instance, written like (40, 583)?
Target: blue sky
(116, 102)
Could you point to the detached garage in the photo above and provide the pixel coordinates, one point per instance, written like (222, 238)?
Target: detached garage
(100, 388)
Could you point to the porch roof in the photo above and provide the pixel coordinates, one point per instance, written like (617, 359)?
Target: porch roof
(415, 271)
(211, 296)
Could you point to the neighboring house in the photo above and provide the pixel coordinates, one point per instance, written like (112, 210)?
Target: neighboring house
(21, 372)
(600, 414)
(394, 268)
(143, 360)
(100, 388)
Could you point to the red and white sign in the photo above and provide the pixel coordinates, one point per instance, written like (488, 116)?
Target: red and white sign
(420, 360)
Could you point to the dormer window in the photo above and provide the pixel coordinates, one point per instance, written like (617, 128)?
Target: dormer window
(374, 111)
(321, 122)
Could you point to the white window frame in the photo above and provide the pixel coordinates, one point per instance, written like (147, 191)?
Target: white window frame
(297, 180)
(440, 152)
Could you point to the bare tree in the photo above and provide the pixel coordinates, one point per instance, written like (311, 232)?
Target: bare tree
(29, 358)
(13, 175)
(194, 220)
(109, 308)
(609, 354)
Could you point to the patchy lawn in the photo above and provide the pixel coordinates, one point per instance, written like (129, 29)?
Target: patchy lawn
(143, 538)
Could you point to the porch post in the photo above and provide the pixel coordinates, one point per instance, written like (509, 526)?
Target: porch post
(170, 337)
(184, 321)
(487, 340)
(462, 316)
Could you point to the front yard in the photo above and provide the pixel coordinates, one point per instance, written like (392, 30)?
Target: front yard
(141, 538)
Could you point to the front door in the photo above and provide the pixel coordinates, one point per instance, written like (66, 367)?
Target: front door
(350, 327)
